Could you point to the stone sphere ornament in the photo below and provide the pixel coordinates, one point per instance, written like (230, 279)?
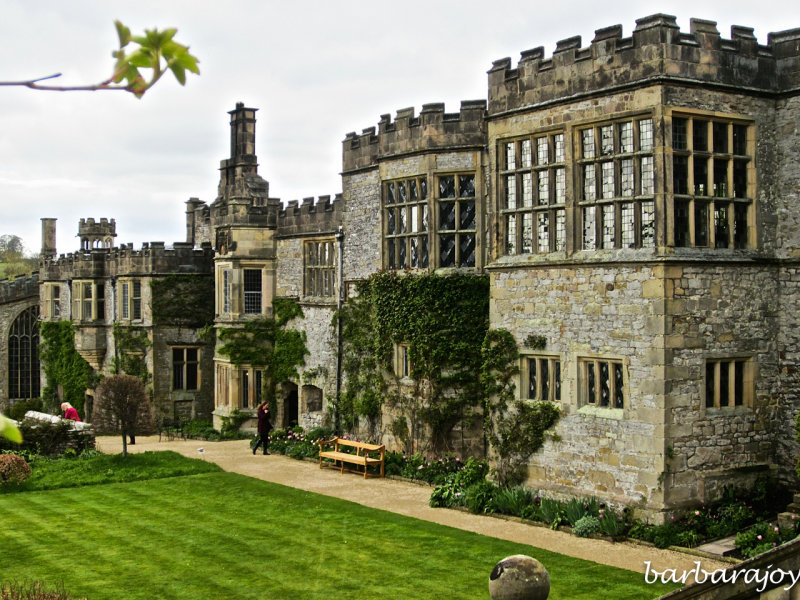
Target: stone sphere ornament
(519, 577)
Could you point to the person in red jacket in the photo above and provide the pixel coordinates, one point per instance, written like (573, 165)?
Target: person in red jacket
(264, 427)
(70, 412)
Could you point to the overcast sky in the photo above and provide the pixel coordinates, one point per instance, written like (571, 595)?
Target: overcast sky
(315, 71)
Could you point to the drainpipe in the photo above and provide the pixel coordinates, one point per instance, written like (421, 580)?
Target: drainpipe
(339, 302)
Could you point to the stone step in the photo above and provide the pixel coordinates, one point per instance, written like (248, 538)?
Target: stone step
(723, 547)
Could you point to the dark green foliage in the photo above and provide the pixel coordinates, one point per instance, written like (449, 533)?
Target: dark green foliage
(514, 428)
(130, 351)
(764, 536)
(20, 407)
(515, 501)
(611, 523)
(183, 300)
(46, 439)
(122, 405)
(577, 508)
(443, 319)
(453, 491)
(478, 496)
(94, 469)
(202, 429)
(232, 423)
(551, 512)
(63, 366)
(269, 344)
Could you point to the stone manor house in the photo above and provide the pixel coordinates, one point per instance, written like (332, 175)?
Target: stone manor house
(634, 201)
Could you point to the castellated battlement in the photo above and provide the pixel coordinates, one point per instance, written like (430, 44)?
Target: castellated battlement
(433, 129)
(154, 258)
(309, 217)
(656, 52)
(20, 288)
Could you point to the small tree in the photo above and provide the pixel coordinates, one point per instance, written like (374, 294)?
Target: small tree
(122, 405)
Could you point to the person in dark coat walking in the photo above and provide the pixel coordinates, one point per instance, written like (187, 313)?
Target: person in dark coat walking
(264, 427)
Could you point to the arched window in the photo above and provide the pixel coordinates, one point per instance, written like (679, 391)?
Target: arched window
(23, 355)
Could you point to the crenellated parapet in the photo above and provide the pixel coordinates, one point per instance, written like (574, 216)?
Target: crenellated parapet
(20, 288)
(310, 218)
(434, 129)
(154, 258)
(656, 52)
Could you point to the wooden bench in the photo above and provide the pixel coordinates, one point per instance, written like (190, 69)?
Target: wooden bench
(363, 455)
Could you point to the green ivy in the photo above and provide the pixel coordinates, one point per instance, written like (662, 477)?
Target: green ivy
(443, 319)
(515, 428)
(183, 300)
(269, 344)
(63, 366)
(130, 351)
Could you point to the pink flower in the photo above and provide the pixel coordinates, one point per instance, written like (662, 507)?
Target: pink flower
(759, 538)
(777, 530)
(420, 468)
(697, 513)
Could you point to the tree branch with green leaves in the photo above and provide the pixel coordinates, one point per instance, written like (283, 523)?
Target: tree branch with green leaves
(141, 61)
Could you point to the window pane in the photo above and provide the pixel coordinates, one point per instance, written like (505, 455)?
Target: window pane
(740, 226)
(591, 384)
(561, 185)
(252, 291)
(124, 303)
(527, 189)
(511, 161)
(647, 175)
(447, 250)
(412, 190)
(648, 225)
(511, 234)
(626, 137)
(700, 224)
(626, 177)
(740, 140)
(526, 153)
(681, 223)
(701, 176)
(447, 215)
(587, 143)
(724, 387)
(401, 254)
(720, 137)
(545, 377)
(544, 187)
(390, 194)
(721, 225)
(589, 182)
(561, 230)
(511, 191)
(466, 186)
(558, 143)
(721, 178)
(680, 174)
(542, 151)
(619, 386)
(738, 382)
(606, 140)
(740, 179)
(700, 135)
(646, 134)
(527, 233)
(467, 249)
(608, 226)
(447, 187)
(533, 379)
(543, 232)
(467, 216)
(557, 380)
(589, 228)
(607, 169)
(627, 223)
(710, 385)
(605, 387)
(679, 141)
(402, 194)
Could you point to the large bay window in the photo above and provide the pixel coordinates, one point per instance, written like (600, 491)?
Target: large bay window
(406, 223)
(711, 177)
(616, 195)
(534, 187)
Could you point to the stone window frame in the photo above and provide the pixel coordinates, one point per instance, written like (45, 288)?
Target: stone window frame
(615, 175)
(406, 223)
(554, 368)
(713, 179)
(532, 223)
(88, 300)
(460, 195)
(402, 361)
(51, 292)
(731, 376)
(590, 394)
(319, 268)
(129, 299)
(251, 380)
(226, 291)
(180, 380)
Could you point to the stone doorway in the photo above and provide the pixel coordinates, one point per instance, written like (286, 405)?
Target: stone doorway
(291, 413)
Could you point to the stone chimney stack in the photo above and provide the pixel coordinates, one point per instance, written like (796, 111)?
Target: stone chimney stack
(48, 238)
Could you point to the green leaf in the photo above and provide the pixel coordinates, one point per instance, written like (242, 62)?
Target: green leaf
(124, 34)
(9, 430)
(179, 72)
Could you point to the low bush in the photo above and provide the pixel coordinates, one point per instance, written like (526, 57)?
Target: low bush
(515, 501)
(47, 439)
(551, 512)
(763, 536)
(478, 496)
(586, 526)
(13, 469)
(17, 410)
(611, 523)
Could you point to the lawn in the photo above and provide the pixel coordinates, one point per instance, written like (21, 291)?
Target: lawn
(222, 535)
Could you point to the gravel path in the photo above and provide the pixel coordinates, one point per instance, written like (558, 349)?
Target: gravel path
(410, 499)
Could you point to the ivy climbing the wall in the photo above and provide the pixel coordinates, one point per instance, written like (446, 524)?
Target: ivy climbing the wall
(442, 320)
(269, 344)
(183, 300)
(514, 428)
(63, 366)
(130, 351)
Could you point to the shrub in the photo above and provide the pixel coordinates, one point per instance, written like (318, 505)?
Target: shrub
(31, 591)
(763, 536)
(575, 509)
(478, 496)
(610, 522)
(202, 429)
(13, 469)
(551, 512)
(586, 525)
(453, 491)
(17, 410)
(514, 501)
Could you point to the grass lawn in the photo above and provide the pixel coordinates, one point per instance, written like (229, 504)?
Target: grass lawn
(222, 535)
